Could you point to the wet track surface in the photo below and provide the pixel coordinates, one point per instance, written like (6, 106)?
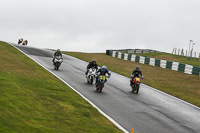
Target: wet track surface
(150, 111)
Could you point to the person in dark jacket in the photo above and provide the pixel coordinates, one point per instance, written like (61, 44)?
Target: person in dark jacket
(102, 71)
(57, 53)
(20, 41)
(91, 65)
(136, 73)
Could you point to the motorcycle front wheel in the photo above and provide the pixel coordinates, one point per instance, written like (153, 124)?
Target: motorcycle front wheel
(137, 88)
(101, 87)
(91, 80)
(132, 88)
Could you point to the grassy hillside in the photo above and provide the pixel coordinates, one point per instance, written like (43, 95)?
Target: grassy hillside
(33, 100)
(184, 86)
(171, 57)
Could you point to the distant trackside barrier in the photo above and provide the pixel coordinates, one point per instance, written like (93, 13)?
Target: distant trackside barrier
(176, 66)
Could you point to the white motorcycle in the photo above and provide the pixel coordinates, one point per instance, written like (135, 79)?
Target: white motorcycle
(91, 75)
(57, 62)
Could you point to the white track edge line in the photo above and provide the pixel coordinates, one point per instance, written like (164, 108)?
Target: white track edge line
(174, 97)
(104, 114)
(165, 94)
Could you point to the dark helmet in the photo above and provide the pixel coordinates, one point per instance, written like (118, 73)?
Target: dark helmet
(94, 61)
(58, 50)
(137, 68)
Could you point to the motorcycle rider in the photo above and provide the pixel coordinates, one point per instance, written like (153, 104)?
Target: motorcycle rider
(25, 42)
(57, 53)
(20, 41)
(102, 71)
(136, 73)
(92, 64)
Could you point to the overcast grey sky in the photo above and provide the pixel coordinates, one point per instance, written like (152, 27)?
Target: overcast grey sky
(97, 25)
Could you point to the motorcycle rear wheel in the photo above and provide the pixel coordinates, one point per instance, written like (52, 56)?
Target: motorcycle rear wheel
(137, 89)
(100, 89)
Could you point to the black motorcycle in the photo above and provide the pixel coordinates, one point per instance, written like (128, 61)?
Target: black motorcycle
(57, 62)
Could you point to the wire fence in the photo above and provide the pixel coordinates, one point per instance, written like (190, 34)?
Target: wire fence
(192, 55)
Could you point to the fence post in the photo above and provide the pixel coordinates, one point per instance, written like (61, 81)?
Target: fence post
(178, 51)
(173, 51)
(191, 54)
(186, 54)
(199, 57)
(194, 55)
(182, 52)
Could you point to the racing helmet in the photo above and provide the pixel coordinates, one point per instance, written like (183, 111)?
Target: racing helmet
(137, 68)
(94, 61)
(104, 68)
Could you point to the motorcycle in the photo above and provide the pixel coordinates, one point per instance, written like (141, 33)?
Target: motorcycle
(101, 82)
(57, 62)
(20, 41)
(91, 75)
(25, 42)
(135, 86)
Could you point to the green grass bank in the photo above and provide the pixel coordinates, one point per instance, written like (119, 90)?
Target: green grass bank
(33, 100)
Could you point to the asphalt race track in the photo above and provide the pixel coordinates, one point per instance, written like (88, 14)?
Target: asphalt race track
(150, 111)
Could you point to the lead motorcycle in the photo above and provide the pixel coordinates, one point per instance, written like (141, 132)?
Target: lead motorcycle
(101, 82)
(91, 75)
(57, 62)
(135, 85)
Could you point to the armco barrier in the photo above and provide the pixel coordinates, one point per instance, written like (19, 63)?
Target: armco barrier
(172, 65)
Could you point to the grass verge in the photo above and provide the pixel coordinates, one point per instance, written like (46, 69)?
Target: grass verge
(171, 57)
(178, 84)
(33, 100)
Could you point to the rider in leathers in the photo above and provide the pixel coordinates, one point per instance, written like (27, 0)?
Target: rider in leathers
(136, 73)
(57, 53)
(102, 71)
(91, 65)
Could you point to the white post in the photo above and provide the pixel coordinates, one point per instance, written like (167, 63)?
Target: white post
(175, 51)
(178, 51)
(191, 54)
(199, 56)
(189, 48)
(182, 54)
(186, 54)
